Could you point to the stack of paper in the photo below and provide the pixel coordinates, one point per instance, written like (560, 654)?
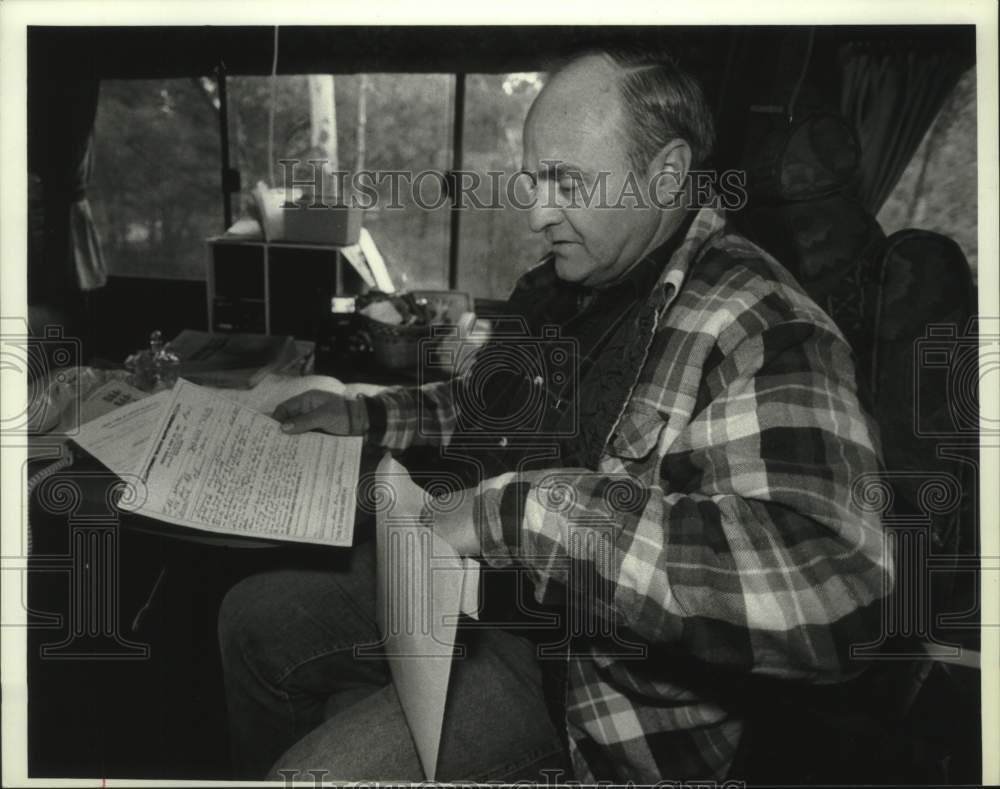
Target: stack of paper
(199, 459)
(230, 360)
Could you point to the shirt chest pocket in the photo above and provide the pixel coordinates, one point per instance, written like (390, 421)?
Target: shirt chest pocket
(638, 433)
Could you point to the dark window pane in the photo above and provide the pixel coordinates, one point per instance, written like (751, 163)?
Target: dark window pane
(155, 188)
(938, 189)
(495, 243)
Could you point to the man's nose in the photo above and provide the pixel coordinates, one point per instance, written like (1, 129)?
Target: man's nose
(543, 213)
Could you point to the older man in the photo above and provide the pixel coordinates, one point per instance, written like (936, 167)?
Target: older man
(710, 448)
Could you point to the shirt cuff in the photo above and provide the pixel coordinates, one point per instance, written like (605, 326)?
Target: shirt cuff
(374, 414)
(500, 505)
(391, 418)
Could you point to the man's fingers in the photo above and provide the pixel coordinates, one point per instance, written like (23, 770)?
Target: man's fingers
(314, 410)
(301, 404)
(292, 406)
(328, 418)
(304, 422)
(301, 425)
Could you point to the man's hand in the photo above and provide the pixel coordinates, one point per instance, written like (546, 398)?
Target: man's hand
(326, 411)
(457, 526)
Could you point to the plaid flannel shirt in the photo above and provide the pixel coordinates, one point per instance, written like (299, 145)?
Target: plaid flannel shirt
(722, 528)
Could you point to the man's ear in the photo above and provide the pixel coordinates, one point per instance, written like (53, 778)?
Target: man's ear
(669, 170)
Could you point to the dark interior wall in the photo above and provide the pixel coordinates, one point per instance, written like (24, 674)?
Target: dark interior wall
(127, 309)
(122, 52)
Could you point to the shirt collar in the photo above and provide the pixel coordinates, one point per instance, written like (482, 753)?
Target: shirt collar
(668, 264)
(681, 251)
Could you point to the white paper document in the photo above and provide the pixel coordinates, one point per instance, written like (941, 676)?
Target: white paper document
(216, 465)
(120, 438)
(422, 584)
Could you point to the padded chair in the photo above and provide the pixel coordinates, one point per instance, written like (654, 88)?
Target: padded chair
(906, 304)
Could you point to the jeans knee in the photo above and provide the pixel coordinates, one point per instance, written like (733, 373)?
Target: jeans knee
(242, 617)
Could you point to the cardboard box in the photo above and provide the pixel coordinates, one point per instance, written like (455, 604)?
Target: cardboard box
(339, 225)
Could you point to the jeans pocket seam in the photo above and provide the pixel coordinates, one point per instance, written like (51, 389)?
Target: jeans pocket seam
(504, 770)
(285, 673)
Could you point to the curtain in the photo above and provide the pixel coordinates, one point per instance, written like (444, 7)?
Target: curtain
(62, 108)
(84, 242)
(892, 95)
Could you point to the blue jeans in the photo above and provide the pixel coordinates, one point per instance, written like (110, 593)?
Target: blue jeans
(300, 701)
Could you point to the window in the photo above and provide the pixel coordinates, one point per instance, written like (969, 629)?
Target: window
(382, 122)
(155, 189)
(937, 191)
(495, 243)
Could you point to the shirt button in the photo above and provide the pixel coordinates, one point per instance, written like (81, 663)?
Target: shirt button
(503, 441)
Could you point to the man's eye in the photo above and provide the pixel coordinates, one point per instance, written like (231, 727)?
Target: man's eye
(526, 185)
(568, 184)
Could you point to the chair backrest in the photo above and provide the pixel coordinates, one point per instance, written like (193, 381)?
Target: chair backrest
(893, 298)
(905, 304)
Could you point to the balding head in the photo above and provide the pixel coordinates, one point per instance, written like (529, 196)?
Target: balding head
(659, 100)
(580, 139)
(591, 82)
